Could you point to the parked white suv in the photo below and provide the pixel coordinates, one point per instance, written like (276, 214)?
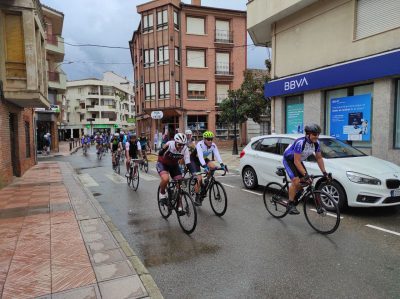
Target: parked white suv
(359, 180)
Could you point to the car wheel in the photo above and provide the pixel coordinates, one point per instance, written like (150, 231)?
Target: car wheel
(249, 177)
(335, 190)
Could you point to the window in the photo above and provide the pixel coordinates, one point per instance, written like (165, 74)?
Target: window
(222, 92)
(177, 89)
(397, 116)
(176, 20)
(148, 23)
(195, 26)
(283, 144)
(14, 45)
(162, 19)
(198, 124)
(150, 91)
(149, 58)
(196, 58)
(373, 17)
(27, 140)
(163, 55)
(294, 114)
(222, 64)
(177, 56)
(268, 145)
(197, 91)
(163, 89)
(222, 32)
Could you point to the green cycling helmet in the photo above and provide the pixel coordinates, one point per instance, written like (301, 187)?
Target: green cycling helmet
(208, 134)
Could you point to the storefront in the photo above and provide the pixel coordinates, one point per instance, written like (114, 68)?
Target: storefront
(357, 101)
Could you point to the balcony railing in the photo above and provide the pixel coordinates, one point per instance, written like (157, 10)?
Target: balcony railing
(223, 68)
(223, 36)
(54, 76)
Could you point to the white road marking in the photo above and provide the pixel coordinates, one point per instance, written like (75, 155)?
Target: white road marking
(329, 214)
(226, 176)
(252, 192)
(382, 229)
(116, 178)
(87, 180)
(228, 185)
(147, 177)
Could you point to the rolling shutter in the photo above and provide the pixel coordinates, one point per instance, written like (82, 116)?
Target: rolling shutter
(376, 16)
(15, 46)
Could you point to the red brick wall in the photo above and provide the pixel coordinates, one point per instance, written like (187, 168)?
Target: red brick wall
(5, 152)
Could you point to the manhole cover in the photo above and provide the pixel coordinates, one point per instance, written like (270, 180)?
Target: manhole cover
(96, 194)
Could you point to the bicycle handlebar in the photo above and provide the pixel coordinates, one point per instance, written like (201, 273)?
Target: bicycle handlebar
(225, 169)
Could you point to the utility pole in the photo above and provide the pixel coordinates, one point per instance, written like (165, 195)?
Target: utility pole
(235, 147)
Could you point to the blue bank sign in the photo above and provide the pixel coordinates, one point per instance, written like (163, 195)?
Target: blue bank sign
(377, 66)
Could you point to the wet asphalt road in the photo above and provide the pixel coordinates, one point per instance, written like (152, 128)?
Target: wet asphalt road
(247, 253)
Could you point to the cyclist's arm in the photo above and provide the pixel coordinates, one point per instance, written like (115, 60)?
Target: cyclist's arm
(298, 164)
(216, 154)
(200, 154)
(320, 162)
(186, 158)
(163, 150)
(139, 149)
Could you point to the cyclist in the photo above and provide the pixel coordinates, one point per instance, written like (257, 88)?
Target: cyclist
(168, 163)
(115, 147)
(132, 151)
(293, 158)
(85, 141)
(199, 157)
(99, 142)
(143, 144)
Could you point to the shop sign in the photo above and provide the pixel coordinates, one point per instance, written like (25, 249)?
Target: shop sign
(157, 115)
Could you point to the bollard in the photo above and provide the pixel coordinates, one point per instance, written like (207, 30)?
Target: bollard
(70, 146)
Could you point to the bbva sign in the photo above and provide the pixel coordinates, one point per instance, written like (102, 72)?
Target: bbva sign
(293, 84)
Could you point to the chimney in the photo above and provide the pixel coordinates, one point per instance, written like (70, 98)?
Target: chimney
(196, 2)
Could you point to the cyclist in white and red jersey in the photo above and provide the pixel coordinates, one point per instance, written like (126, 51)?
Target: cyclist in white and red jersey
(168, 163)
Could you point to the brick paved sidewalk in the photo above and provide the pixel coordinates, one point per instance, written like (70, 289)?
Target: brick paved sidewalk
(57, 242)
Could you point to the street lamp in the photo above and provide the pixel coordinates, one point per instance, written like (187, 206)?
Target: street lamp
(235, 146)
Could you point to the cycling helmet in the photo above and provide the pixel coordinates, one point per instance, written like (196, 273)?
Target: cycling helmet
(116, 134)
(312, 128)
(188, 132)
(180, 138)
(208, 134)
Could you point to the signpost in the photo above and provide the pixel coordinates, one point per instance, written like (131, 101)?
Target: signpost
(157, 115)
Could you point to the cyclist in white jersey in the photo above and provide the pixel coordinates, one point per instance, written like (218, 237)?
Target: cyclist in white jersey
(294, 156)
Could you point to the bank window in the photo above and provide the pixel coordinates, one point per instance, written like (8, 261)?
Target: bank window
(163, 89)
(294, 112)
(397, 116)
(162, 19)
(349, 114)
(148, 23)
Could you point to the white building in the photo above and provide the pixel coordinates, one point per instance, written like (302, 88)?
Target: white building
(99, 105)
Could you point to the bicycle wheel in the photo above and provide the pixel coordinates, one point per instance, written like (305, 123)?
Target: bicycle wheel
(118, 169)
(191, 186)
(188, 220)
(135, 178)
(275, 200)
(146, 166)
(218, 198)
(316, 206)
(165, 211)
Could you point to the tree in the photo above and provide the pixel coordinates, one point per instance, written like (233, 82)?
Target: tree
(250, 101)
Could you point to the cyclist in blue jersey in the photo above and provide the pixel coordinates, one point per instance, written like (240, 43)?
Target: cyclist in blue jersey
(294, 156)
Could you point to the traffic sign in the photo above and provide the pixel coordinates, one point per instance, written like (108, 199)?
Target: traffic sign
(157, 115)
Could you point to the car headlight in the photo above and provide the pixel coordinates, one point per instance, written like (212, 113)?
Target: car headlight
(360, 178)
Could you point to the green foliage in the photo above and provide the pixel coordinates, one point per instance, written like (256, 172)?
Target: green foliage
(250, 101)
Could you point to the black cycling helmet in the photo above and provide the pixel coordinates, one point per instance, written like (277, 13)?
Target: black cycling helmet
(312, 128)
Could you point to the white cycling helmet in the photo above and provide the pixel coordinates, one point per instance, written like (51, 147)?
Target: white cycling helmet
(180, 138)
(188, 132)
(116, 134)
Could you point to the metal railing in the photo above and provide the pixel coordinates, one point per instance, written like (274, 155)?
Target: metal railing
(223, 68)
(223, 36)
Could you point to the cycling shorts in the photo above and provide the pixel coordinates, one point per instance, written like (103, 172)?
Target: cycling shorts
(291, 169)
(195, 162)
(173, 170)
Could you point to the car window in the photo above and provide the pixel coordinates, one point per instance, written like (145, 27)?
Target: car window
(268, 145)
(334, 148)
(255, 144)
(283, 144)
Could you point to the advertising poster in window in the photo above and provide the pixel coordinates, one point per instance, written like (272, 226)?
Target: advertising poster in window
(294, 118)
(351, 118)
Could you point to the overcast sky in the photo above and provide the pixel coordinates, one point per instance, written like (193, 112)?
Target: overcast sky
(111, 23)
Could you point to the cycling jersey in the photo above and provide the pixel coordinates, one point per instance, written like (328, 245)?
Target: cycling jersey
(133, 149)
(302, 146)
(202, 152)
(143, 142)
(85, 140)
(99, 140)
(169, 154)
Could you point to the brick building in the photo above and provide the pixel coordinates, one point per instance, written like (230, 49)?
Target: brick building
(23, 83)
(186, 57)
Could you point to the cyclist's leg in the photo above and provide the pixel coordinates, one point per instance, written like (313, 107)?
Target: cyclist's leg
(176, 174)
(164, 177)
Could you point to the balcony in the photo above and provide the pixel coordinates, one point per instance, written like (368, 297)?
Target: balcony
(55, 45)
(224, 69)
(57, 80)
(223, 37)
(96, 108)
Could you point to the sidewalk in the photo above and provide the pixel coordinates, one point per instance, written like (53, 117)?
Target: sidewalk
(57, 242)
(64, 151)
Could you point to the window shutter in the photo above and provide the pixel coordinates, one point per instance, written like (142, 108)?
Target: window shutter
(166, 87)
(195, 25)
(375, 16)
(197, 87)
(222, 25)
(195, 58)
(15, 46)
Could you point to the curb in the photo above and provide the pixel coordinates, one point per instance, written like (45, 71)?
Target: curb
(142, 272)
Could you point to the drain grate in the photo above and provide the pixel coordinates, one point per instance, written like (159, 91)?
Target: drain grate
(96, 194)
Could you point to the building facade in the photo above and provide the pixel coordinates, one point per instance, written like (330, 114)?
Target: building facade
(186, 57)
(23, 84)
(95, 105)
(50, 120)
(335, 63)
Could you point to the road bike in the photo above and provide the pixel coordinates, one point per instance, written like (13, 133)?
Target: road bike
(216, 191)
(320, 209)
(100, 152)
(144, 165)
(187, 218)
(133, 178)
(116, 166)
(85, 149)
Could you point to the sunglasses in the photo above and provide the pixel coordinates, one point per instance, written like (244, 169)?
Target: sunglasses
(209, 139)
(179, 144)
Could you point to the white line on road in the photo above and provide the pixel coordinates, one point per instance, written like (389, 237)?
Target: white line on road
(252, 192)
(228, 185)
(87, 180)
(226, 176)
(116, 178)
(382, 229)
(329, 214)
(147, 177)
